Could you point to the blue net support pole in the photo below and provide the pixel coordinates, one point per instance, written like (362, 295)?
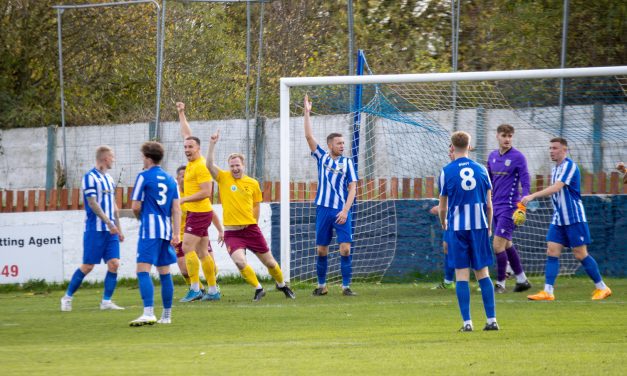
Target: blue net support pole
(357, 110)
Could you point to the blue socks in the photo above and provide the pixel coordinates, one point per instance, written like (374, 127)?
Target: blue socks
(111, 279)
(75, 282)
(146, 288)
(552, 269)
(462, 289)
(167, 290)
(346, 267)
(321, 269)
(591, 267)
(487, 294)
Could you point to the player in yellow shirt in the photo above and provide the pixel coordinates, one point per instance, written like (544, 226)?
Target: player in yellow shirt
(196, 198)
(183, 259)
(240, 195)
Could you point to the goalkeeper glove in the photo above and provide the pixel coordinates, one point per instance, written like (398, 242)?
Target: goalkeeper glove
(520, 215)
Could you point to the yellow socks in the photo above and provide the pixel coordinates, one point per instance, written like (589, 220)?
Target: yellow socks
(193, 267)
(209, 269)
(249, 276)
(276, 273)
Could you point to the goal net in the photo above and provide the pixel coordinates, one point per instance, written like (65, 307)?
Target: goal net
(397, 130)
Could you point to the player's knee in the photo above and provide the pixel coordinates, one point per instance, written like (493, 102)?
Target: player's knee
(580, 253)
(241, 264)
(86, 268)
(113, 265)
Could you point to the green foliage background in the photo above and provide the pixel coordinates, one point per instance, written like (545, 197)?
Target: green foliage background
(109, 55)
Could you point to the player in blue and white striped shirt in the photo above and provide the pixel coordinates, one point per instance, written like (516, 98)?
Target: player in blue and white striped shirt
(466, 211)
(102, 234)
(337, 187)
(156, 205)
(569, 227)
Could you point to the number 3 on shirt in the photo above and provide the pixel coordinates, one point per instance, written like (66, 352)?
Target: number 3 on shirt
(468, 182)
(163, 191)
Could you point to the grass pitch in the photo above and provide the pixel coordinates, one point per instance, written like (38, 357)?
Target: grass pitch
(389, 329)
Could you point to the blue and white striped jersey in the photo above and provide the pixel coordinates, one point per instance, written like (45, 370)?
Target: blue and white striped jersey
(567, 202)
(99, 185)
(466, 184)
(157, 190)
(333, 179)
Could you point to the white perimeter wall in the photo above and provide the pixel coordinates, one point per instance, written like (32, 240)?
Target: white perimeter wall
(73, 220)
(23, 151)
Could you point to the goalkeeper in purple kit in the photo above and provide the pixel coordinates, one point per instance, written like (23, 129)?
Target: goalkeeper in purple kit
(507, 168)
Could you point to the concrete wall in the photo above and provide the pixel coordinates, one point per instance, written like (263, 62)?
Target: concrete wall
(73, 224)
(400, 149)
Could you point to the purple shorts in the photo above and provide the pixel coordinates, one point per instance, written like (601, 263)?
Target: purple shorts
(246, 238)
(180, 253)
(503, 223)
(198, 223)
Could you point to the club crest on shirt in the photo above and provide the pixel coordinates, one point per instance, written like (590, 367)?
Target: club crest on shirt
(233, 188)
(508, 162)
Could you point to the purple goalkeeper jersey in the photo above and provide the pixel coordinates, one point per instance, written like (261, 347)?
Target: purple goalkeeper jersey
(508, 172)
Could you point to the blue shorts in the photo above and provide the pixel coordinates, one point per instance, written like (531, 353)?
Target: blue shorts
(445, 235)
(570, 235)
(157, 252)
(100, 245)
(504, 224)
(325, 223)
(470, 248)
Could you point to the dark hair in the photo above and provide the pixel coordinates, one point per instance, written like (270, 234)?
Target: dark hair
(194, 138)
(505, 128)
(181, 168)
(153, 150)
(561, 140)
(331, 136)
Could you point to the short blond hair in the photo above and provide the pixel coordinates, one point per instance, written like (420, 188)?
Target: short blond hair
(236, 155)
(460, 140)
(102, 150)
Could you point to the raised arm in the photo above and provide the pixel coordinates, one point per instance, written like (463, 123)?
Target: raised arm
(311, 141)
(213, 169)
(186, 131)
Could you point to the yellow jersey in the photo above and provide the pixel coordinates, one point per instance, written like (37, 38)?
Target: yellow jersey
(196, 173)
(238, 197)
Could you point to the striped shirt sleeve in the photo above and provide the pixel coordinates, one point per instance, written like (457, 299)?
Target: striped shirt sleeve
(352, 174)
(442, 183)
(567, 173)
(89, 185)
(138, 190)
(318, 153)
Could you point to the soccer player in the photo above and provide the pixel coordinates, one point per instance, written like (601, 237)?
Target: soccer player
(569, 227)
(337, 187)
(466, 211)
(196, 197)
(240, 195)
(507, 168)
(191, 257)
(156, 205)
(102, 234)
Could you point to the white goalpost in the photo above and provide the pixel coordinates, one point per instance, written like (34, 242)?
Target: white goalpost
(399, 132)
